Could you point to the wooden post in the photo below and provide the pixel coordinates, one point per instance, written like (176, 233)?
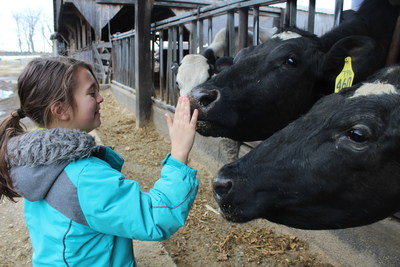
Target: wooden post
(143, 78)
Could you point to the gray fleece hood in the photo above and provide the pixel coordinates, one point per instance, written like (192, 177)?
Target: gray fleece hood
(37, 159)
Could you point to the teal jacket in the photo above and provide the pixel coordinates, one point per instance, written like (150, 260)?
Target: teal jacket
(81, 211)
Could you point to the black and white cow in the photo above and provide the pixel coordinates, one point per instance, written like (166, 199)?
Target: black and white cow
(198, 68)
(337, 166)
(272, 84)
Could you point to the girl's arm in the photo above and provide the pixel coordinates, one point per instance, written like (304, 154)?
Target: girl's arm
(114, 205)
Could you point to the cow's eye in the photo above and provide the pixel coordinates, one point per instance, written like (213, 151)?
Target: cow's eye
(291, 61)
(358, 134)
(357, 138)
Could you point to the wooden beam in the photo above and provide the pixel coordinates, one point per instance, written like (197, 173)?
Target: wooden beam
(143, 77)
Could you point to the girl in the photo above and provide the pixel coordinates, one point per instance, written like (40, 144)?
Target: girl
(79, 208)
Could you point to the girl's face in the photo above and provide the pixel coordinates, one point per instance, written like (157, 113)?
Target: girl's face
(85, 113)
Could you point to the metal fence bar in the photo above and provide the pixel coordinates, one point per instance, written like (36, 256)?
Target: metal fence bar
(194, 38)
(126, 59)
(201, 34)
(291, 13)
(243, 27)
(230, 33)
(153, 63)
(311, 15)
(214, 10)
(180, 44)
(175, 30)
(338, 12)
(256, 25)
(169, 60)
(209, 31)
(161, 68)
(132, 68)
(173, 66)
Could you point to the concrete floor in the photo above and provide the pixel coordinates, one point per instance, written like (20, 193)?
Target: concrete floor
(373, 245)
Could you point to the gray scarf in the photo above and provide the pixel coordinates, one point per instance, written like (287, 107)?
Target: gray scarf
(51, 146)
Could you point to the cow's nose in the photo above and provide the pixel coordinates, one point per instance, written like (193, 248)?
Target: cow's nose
(221, 186)
(204, 98)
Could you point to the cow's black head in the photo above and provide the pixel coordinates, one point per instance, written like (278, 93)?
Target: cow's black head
(272, 84)
(337, 166)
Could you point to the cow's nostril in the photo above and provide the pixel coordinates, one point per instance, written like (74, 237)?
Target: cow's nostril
(206, 100)
(203, 98)
(222, 187)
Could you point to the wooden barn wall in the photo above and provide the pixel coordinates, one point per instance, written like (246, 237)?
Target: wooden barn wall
(98, 15)
(124, 60)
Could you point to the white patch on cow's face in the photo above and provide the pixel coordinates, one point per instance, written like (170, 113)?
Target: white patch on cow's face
(192, 71)
(374, 89)
(286, 35)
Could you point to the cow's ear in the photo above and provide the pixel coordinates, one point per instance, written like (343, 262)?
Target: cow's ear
(361, 49)
(223, 63)
(209, 55)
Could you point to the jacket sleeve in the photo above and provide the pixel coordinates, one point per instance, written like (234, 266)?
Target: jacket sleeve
(114, 205)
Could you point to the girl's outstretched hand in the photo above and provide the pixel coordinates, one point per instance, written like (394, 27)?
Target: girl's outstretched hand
(182, 129)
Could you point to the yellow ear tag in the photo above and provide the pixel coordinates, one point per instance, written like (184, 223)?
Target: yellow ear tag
(346, 77)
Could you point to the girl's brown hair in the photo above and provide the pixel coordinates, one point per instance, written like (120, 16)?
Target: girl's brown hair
(43, 82)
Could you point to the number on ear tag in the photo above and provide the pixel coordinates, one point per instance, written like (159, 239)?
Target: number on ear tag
(345, 77)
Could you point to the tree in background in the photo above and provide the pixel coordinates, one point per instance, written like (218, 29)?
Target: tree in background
(17, 18)
(46, 30)
(31, 20)
(30, 24)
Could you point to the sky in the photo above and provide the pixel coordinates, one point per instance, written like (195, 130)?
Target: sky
(8, 29)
